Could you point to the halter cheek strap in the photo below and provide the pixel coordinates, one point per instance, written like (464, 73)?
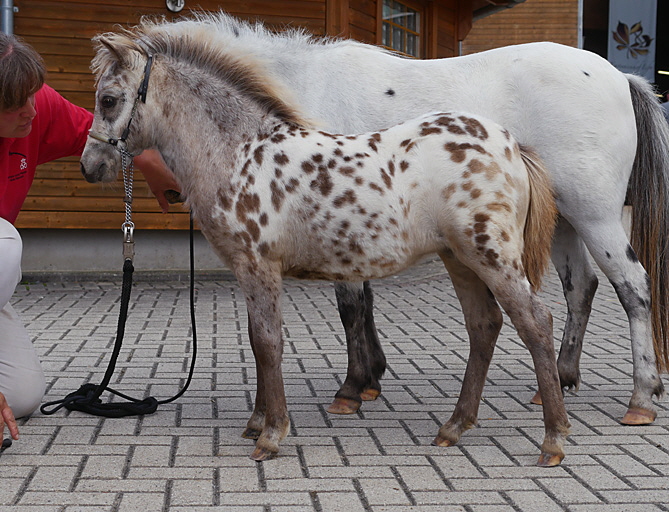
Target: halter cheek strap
(141, 95)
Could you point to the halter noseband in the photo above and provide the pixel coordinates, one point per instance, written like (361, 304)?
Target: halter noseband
(141, 95)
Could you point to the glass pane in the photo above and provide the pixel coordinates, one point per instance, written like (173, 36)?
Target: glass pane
(412, 44)
(385, 35)
(411, 21)
(398, 39)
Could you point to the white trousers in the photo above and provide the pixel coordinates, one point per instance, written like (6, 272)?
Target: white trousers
(21, 378)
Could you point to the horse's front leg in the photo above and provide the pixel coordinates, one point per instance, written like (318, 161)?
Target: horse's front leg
(483, 320)
(269, 423)
(256, 423)
(366, 362)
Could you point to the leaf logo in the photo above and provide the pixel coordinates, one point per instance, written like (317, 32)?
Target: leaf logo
(632, 39)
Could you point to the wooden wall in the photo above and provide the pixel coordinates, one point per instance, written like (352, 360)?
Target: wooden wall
(530, 21)
(61, 31)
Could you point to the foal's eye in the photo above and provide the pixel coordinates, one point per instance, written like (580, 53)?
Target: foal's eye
(108, 101)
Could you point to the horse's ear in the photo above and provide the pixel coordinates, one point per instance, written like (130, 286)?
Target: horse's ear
(117, 51)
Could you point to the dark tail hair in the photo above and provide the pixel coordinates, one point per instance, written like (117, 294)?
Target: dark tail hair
(648, 193)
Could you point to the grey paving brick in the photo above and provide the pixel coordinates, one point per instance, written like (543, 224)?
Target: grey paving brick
(189, 456)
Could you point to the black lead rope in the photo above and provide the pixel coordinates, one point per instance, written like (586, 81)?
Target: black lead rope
(87, 398)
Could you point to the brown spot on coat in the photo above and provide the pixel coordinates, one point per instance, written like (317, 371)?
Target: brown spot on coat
(430, 130)
(225, 199)
(474, 127)
(387, 180)
(278, 195)
(258, 154)
(448, 191)
(253, 229)
(323, 182)
(347, 197)
(281, 158)
(292, 185)
(247, 203)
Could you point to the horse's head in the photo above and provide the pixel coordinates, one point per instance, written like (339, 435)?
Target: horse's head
(122, 74)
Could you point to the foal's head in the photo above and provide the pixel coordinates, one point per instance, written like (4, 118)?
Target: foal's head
(175, 63)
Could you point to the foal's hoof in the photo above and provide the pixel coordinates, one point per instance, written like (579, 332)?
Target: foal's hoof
(261, 454)
(370, 394)
(442, 441)
(251, 433)
(536, 399)
(344, 406)
(638, 416)
(548, 460)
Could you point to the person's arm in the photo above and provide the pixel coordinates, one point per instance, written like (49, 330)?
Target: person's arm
(7, 418)
(157, 175)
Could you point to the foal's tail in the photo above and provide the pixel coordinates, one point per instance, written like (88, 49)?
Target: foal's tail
(648, 193)
(541, 218)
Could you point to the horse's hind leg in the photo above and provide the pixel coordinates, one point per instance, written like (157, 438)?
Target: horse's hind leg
(534, 324)
(366, 362)
(609, 247)
(483, 320)
(579, 284)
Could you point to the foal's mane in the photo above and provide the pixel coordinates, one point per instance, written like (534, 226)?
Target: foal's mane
(198, 45)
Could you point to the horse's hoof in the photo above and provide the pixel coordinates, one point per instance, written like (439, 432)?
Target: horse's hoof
(536, 399)
(344, 406)
(638, 416)
(548, 460)
(370, 394)
(442, 441)
(251, 433)
(261, 454)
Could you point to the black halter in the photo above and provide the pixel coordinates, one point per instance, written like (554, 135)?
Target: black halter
(141, 95)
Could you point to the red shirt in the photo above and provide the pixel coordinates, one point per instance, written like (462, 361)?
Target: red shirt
(59, 129)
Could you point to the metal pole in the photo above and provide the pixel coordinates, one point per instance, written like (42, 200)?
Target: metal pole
(7, 20)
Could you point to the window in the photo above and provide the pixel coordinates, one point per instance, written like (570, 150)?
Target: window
(401, 27)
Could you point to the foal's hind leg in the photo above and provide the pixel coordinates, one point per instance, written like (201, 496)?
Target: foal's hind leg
(483, 320)
(366, 362)
(534, 324)
(579, 284)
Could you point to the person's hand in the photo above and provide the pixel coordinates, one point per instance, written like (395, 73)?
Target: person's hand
(7, 418)
(158, 176)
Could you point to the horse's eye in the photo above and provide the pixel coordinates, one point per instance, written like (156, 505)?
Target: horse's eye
(108, 101)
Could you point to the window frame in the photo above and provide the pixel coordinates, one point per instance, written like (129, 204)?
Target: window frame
(422, 9)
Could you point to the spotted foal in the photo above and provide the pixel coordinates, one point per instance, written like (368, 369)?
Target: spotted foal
(277, 198)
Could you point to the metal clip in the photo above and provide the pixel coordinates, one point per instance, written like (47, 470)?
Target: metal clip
(128, 240)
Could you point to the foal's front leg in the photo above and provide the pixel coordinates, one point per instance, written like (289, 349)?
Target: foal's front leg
(269, 423)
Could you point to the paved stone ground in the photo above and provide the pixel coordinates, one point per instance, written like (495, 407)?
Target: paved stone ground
(189, 456)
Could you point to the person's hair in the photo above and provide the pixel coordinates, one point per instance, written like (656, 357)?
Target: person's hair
(22, 72)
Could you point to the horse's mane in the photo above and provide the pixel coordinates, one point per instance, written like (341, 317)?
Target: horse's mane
(199, 42)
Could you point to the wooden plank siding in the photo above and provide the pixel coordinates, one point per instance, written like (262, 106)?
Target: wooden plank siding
(61, 31)
(530, 21)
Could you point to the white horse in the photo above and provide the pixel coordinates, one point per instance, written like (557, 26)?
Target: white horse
(276, 198)
(600, 132)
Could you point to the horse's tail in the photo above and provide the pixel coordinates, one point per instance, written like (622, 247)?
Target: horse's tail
(541, 218)
(648, 193)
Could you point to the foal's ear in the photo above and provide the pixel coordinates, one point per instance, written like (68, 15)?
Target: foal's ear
(117, 51)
